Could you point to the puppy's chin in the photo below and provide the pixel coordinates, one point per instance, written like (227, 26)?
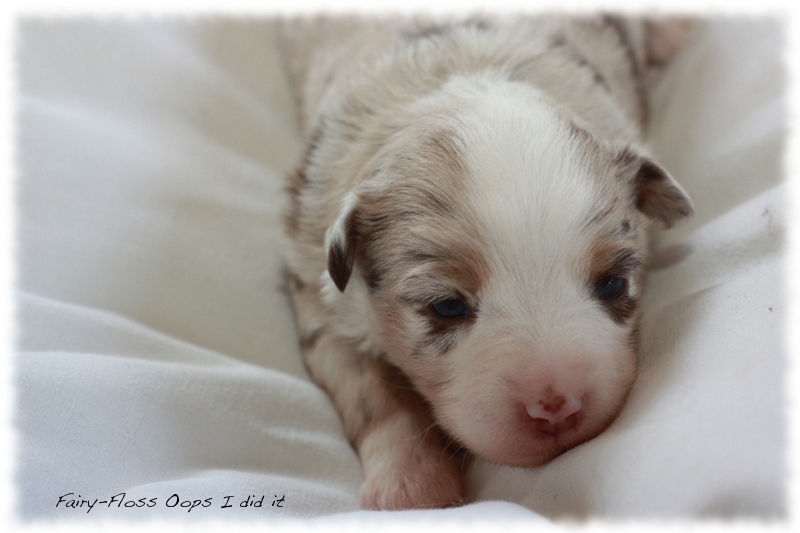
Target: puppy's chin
(523, 446)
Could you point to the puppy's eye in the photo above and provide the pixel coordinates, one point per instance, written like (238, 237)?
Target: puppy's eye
(450, 308)
(610, 288)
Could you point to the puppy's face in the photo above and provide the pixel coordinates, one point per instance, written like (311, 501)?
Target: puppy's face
(499, 249)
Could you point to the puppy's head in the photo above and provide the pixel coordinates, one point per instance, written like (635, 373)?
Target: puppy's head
(500, 249)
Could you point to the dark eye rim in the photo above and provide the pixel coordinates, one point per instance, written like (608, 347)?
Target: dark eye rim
(463, 312)
(618, 290)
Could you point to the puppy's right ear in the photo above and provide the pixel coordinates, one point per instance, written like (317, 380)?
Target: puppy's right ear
(340, 244)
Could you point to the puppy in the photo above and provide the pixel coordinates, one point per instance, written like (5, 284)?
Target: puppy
(467, 233)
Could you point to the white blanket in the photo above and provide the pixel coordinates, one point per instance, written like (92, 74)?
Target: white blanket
(157, 355)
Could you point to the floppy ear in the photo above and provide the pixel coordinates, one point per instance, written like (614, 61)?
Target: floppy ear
(656, 193)
(340, 245)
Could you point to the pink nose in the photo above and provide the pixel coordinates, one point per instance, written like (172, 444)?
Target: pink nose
(555, 413)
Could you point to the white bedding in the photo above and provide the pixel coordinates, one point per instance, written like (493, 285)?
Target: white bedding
(157, 353)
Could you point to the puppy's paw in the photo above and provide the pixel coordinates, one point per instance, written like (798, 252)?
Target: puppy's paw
(421, 484)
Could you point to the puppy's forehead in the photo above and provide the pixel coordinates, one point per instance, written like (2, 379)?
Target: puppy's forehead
(500, 180)
(534, 181)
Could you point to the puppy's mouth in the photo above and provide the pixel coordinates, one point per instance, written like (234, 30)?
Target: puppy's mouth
(542, 439)
(523, 440)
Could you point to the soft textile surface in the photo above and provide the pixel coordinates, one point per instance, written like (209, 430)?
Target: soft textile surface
(157, 353)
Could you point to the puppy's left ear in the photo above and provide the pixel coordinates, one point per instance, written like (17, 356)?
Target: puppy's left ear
(340, 244)
(656, 193)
